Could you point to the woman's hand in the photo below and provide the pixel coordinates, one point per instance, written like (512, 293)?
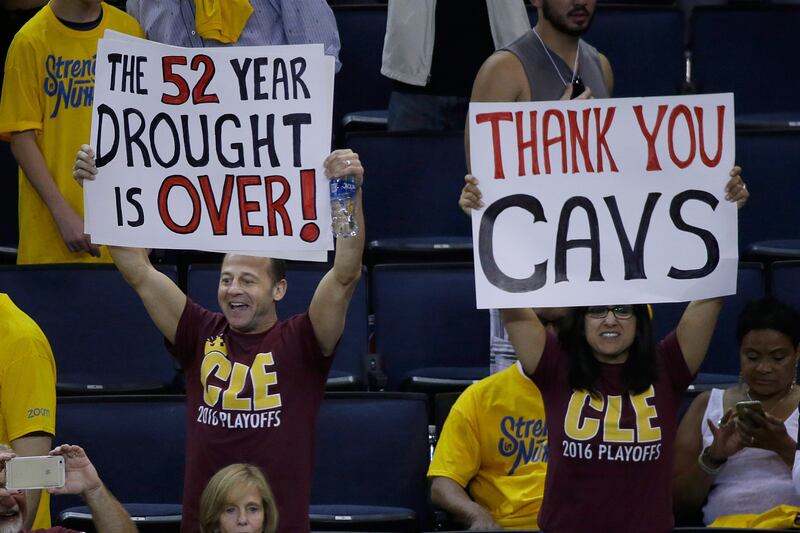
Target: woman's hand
(757, 430)
(727, 440)
(470, 195)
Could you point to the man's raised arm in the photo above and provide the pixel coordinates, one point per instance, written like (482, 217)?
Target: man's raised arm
(163, 299)
(328, 307)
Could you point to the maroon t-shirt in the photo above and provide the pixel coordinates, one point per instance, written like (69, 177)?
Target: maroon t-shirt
(610, 465)
(250, 399)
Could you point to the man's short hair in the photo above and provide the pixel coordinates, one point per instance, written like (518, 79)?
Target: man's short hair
(277, 269)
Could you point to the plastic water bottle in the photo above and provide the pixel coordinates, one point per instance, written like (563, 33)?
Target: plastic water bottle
(343, 207)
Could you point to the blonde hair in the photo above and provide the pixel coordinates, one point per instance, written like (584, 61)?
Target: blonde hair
(218, 491)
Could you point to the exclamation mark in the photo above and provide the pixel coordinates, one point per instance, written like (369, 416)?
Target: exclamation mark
(308, 191)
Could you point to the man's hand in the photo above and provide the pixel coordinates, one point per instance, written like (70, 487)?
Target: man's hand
(81, 476)
(70, 226)
(567, 94)
(341, 163)
(84, 167)
(482, 520)
(736, 189)
(470, 195)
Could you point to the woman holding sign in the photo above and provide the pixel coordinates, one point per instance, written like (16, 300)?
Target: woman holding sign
(617, 393)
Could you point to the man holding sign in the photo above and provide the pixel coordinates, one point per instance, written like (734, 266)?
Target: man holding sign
(254, 382)
(550, 62)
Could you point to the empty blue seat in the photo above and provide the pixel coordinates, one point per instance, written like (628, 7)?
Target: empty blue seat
(103, 339)
(427, 328)
(371, 461)
(413, 184)
(359, 85)
(744, 48)
(302, 280)
(785, 282)
(721, 365)
(769, 161)
(137, 443)
(654, 65)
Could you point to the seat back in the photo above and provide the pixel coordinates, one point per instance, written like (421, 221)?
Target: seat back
(302, 280)
(770, 160)
(785, 282)
(743, 49)
(359, 85)
(413, 185)
(102, 337)
(372, 450)
(425, 316)
(137, 443)
(722, 356)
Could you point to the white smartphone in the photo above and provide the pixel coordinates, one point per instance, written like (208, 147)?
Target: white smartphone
(37, 472)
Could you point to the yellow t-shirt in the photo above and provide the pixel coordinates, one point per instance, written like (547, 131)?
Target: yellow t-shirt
(494, 443)
(27, 384)
(49, 88)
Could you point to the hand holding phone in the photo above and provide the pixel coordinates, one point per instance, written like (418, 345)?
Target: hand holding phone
(745, 409)
(37, 472)
(577, 87)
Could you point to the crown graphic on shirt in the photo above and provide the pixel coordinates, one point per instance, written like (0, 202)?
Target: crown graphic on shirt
(215, 344)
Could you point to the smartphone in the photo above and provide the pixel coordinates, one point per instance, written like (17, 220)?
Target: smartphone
(37, 472)
(577, 87)
(742, 408)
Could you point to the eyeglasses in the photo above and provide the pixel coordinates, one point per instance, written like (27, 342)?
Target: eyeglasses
(621, 312)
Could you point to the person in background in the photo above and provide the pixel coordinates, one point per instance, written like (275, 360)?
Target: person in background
(203, 23)
(27, 397)
(489, 465)
(432, 52)
(734, 460)
(45, 112)
(238, 499)
(81, 478)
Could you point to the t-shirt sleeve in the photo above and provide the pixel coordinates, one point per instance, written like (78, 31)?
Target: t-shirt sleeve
(188, 332)
(21, 101)
(457, 454)
(674, 362)
(301, 329)
(550, 363)
(28, 394)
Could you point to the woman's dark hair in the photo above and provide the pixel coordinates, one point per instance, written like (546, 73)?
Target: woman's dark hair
(639, 371)
(769, 313)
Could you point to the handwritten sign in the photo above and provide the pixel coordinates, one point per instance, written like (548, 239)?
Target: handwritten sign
(214, 148)
(603, 201)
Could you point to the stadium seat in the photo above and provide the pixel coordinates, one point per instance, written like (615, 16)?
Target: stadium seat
(744, 48)
(371, 461)
(785, 282)
(427, 329)
(721, 365)
(102, 338)
(302, 279)
(652, 67)
(137, 444)
(359, 85)
(413, 185)
(769, 161)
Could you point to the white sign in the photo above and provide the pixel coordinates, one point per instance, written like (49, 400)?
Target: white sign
(603, 201)
(211, 149)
